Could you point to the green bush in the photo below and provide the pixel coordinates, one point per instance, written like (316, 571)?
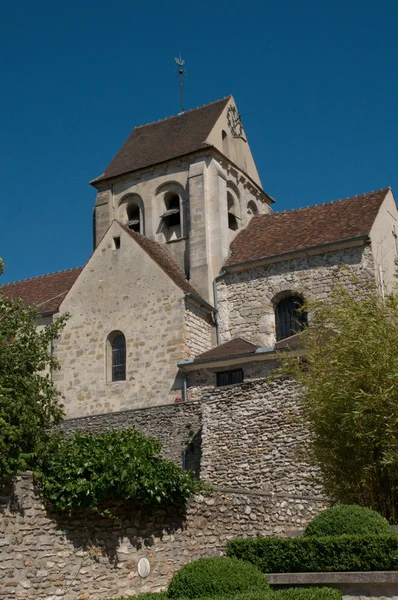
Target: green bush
(216, 576)
(87, 470)
(349, 519)
(306, 554)
(312, 593)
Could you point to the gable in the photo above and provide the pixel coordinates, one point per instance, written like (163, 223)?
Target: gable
(131, 270)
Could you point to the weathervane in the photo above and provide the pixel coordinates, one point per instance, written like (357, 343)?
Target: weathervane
(181, 75)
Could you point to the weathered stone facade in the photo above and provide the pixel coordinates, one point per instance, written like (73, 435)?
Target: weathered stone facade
(124, 290)
(247, 298)
(251, 436)
(201, 335)
(47, 555)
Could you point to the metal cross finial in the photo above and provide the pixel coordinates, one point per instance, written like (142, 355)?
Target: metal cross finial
(181, 75)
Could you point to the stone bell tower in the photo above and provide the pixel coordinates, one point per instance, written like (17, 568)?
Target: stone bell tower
(188, 182)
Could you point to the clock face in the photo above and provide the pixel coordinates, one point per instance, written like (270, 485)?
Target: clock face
(234, 121)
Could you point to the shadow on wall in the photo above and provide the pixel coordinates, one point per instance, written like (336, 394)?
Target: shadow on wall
(9, 501)
(193, 454)
(104, 537)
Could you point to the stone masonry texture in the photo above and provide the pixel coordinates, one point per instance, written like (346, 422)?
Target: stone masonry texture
(247, 299)
(174, 425)
(252, 436)
(46, 555)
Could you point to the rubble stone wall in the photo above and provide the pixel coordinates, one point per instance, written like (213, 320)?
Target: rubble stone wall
(252, 436)
(174, 425)
(46, 555)
(246, 299)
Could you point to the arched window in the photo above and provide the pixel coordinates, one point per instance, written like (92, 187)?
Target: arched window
(252, 208)
(232, 219)
(131, 212)
(289, 319)
(133, 217)
(224, 139)
(116, 359)
(171, 218)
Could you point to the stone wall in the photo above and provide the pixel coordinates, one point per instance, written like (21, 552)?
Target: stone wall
(46, 555)
(251, 437)
(176, 426)
(246, 298)
(121, 290)
(200, 330)
(204, 379)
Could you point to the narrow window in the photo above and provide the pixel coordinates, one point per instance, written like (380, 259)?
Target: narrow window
(289, 319)
(117, 343)
(171, 218)
(232, 219)
(224, 139)
(133, 218)
(116, 243)
(229, 377)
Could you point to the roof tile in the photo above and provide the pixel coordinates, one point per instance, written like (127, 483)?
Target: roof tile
(284, 232)
(161, 141)
(234, 347)
(45, 292)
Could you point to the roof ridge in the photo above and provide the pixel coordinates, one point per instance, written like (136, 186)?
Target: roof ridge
(40, 276)
(182, 113)
(144, 242)
(327, 202)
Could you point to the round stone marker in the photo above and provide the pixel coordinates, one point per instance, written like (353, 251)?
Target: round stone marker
(144, 568)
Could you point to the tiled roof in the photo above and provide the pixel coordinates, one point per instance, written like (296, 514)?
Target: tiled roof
(234, 347)
(45, 292)
(163, 259)
(161, 141)
(290, 343)
(279, 233)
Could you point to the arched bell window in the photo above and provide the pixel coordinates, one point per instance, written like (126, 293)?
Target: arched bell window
(171, 218)
(232, 218)
(134, 217)
(116, 356)
(289, 317)
(252, 208)
(131, 212)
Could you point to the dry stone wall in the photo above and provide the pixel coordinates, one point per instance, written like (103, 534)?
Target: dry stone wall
(46, 555)
(246, 298)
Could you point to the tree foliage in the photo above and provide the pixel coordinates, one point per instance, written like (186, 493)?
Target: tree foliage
(29, 402)
(350, 397)
(87, 470)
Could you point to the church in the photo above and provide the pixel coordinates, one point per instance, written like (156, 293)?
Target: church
(195, 282)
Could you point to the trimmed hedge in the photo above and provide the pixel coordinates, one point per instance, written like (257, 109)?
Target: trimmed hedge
(216, 577)
(312, 593)
(347, 519)
(312, 554)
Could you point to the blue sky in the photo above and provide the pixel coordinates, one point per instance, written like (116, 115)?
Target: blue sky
(316, 84)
